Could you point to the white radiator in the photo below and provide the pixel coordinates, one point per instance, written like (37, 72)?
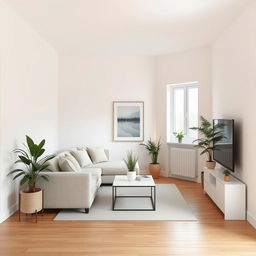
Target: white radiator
(183, 162)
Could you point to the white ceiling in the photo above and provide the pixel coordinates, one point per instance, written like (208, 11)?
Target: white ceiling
(128, 27)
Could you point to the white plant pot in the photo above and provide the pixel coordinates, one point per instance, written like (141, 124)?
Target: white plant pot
(131, 175)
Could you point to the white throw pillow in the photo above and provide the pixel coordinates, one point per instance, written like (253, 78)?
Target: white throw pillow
(68, 163)
(97, 155)
(81, 155)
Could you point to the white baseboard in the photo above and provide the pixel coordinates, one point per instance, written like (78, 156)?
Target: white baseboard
(251, 219)
(10, 212)
(183, 178)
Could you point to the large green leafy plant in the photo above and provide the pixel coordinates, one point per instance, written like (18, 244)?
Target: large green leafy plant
(153, 149)
(33, 166)
(211, 134)
(131, 161)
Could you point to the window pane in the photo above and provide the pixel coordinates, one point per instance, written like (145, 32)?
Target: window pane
(192, 110)
(179, 109)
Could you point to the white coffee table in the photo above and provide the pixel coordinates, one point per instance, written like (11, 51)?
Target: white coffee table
(121, 181)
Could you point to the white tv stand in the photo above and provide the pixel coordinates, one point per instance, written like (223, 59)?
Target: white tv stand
(230, 196)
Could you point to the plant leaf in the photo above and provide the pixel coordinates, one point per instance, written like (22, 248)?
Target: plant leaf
(21, 151)
(18, 161)
(31, 145)
(14, 171)
(45, 177)
(25, 160)
(19, 174)
(41, 144)
(46, 159)
(35, 166)
(40, 152)
(24, 180)
(43, 167)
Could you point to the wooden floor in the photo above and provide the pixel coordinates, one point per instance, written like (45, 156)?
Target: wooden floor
(210, 235)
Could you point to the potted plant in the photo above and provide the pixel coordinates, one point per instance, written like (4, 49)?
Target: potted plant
(226, 175)
(179, 136)
(131, 161)
(210, 136)
(31, 198)
(153, 150)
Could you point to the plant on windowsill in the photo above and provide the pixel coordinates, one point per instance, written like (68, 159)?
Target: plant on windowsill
(226, 175)
(179, 136)
(210, 136)
(131, 161)
(31, 198)
(153, 150)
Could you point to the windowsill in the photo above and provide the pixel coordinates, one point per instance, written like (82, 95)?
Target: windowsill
(186, 145)
(183, 143)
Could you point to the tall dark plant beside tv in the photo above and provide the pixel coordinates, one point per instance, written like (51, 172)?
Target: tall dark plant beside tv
(210, 135)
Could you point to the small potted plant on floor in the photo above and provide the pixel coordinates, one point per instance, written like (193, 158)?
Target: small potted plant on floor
(131, 161)
(179, 136)
(153, 150)
(210, 136)
(31, 196)
(226, 175)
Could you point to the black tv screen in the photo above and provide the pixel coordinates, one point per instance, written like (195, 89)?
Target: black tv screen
(224, 149)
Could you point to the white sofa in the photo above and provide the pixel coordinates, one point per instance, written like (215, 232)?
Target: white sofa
(69, 190)
(78, 189)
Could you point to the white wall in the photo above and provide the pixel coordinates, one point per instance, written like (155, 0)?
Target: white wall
(234, 78)
(29, 97)
(88, 85)
(189, 66)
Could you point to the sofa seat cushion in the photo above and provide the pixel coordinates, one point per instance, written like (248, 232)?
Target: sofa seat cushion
(113, 167)
(94, 171)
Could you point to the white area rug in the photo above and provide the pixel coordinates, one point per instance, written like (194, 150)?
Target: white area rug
(170, 205)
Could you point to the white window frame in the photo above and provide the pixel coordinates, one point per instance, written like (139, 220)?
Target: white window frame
(171, 110)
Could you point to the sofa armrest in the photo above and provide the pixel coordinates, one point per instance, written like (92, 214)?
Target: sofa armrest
(67, 190)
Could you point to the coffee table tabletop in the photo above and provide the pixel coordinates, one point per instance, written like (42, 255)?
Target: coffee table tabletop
(122, 181)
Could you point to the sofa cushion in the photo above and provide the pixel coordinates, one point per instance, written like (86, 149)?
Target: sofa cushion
(54, 164)
(113, 167)
(82, 157)
(68, 163)
(97, 155)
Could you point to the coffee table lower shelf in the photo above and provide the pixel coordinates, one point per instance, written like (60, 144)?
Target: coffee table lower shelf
(152, 197)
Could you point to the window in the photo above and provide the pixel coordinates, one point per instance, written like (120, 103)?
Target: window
(182, 110)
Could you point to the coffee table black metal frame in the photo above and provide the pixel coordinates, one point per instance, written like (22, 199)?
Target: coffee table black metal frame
(152, 197)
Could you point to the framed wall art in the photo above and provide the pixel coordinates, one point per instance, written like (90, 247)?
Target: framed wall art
(128, 121)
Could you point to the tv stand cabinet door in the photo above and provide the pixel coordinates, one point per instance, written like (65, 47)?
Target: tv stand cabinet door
(220, 195)
(235, 202)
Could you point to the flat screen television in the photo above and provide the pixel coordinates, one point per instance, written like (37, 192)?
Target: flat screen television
(224, 152)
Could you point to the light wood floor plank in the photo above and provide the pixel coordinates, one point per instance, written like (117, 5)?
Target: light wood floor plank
(209, 236)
